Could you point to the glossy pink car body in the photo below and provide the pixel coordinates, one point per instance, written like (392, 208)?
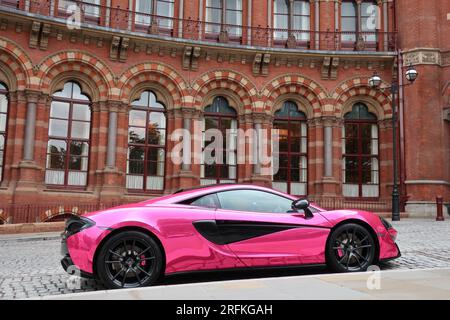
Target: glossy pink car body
(186, 249)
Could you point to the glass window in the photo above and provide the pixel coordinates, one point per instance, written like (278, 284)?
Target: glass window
(69, 134)
(208, 201)
(92, 7)
(360, 153)
(365, 27)
(146, 143)
(300, 24)
(254, 201)
(3, 125)
(220, 165)
(161, 10)
(292, 155)
(216, 9)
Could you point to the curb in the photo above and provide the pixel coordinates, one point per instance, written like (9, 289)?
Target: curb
(31, 228)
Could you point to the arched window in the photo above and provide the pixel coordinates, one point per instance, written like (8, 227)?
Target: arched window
(220, 116)
(360, 153)
(3, 124)
(68, 137)
(292, 155)
(298, 25)
(224, 12)
(146, 144)
(359, 20)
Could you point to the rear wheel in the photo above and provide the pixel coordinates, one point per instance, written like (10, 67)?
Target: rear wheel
(129, 259)
(351, 248)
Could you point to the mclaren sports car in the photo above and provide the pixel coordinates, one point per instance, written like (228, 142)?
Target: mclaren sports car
(221, 227)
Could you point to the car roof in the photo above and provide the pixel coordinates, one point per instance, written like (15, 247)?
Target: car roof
(185, 194)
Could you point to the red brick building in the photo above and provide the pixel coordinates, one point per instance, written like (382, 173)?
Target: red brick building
(91, 92)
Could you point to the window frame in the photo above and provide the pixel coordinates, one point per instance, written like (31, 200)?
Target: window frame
(4, 92)
(140, 17)
(71, 101)
(288, 119)
(147, 146)
(360, 155)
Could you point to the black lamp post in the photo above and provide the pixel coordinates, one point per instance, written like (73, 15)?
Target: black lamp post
(375, 82)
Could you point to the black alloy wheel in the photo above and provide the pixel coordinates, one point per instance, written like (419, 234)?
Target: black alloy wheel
(351, 248)
(129, 259)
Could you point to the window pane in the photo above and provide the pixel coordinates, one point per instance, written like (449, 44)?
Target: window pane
(301, 7)
(155, 154)
(77, 94)
(254, 201)
(142, 101)
(136, 135)
(208, 201)
(157, 120)
(78, 148)
(56, 146)
(59, 110)
(80, 130)
(78, 163)
(211, 123)
(2, 122)
(137, 118)
(58, 128)
(66, 92)
(281, 6)
(135, 167)
(81, 112)
(234, 4)
(3, 103)
(164, 8)
(156, 136)
(136, 153)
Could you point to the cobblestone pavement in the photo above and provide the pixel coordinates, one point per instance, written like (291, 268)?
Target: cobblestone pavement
(30, 267)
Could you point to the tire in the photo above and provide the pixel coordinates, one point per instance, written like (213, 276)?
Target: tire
(350, 248)
(129, 259)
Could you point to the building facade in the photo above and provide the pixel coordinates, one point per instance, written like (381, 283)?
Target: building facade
(92, 92)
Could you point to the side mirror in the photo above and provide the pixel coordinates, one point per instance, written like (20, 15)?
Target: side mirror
(302, 204)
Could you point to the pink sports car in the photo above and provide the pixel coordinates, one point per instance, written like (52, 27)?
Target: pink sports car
(221, 227)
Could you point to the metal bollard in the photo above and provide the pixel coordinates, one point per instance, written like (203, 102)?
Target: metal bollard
(439, 205)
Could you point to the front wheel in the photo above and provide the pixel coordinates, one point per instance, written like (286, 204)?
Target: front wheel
(351, 248)
(129, 259)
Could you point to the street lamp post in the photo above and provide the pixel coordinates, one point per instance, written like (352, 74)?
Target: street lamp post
(375, 82)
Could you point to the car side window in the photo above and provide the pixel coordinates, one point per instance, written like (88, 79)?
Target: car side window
(254, 201)
(207, 201)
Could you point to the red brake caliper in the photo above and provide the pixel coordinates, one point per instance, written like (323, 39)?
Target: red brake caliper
(143, 261)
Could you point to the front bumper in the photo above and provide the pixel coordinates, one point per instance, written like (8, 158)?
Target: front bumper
(393, 258)
(67, 263)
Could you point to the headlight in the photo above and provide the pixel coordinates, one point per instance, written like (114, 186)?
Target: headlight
(386, 223)
(76, 224)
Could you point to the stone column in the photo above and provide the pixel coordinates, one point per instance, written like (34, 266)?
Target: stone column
(262, 122)
(30, 127)
(30, 173)
(187, 174)
(110, 168)
(112, 140)
(328, 149)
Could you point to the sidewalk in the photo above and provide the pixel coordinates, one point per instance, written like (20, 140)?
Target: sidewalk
(402, 284)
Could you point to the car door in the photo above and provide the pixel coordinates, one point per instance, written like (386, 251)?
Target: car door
(262, 230)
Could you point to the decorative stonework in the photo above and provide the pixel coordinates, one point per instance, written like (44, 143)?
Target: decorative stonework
(422, 56)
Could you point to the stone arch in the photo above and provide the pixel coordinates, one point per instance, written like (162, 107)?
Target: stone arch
(93, 72)
(15, 64)
(62, 210)
(357, 89)
(291, 85)
(225, 82)
(156, 76)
